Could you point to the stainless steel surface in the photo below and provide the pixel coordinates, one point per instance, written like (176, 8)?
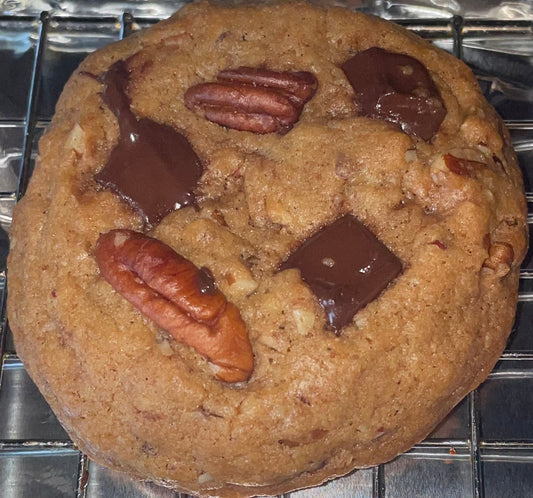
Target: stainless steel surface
(485, 446)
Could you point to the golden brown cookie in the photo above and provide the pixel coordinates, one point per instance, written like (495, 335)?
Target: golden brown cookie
(265, 245)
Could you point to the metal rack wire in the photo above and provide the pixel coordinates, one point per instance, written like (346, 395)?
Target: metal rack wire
(464, 444)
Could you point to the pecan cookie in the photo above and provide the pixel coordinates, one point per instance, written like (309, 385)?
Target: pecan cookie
(263, 246)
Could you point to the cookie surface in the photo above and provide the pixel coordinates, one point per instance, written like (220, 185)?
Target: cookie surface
(444, 198)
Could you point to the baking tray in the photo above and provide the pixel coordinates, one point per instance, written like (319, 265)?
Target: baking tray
(484, 448)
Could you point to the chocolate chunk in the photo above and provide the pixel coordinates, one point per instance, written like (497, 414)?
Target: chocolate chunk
(153, 167)
(206, 281)
(346, 267)
(396, 88)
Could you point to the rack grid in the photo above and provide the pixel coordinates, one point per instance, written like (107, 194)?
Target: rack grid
(484, 447)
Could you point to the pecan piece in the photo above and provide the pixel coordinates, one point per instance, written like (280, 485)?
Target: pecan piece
(253, 99)
(178, 297)
(500, 260)
(463, 167)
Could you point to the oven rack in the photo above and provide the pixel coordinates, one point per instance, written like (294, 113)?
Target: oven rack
(479, 444)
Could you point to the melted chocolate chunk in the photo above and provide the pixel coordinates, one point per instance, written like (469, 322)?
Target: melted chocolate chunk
(153, 167)
(206, 281)
(346, 267)
(396, 88)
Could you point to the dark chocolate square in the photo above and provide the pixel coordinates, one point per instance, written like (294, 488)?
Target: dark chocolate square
(346, 266)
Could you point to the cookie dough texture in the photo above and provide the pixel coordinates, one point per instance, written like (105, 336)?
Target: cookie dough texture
(317, 405)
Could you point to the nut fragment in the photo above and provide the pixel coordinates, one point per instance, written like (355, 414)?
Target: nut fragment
(500, 260)
(463, 167)
(76, 139)
(178, 297)
(253, 99)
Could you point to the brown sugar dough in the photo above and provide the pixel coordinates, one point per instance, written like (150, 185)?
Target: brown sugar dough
(317, 404)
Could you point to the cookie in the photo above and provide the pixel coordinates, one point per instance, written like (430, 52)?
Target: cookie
(265, 245)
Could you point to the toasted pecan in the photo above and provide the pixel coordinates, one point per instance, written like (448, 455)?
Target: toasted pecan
(501, 258)
(461, 166)
(253, 99)
(178, 297)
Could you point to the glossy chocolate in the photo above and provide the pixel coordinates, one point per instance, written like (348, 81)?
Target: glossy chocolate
(206, 281)
(346, 267)
(396, 88)
(153, 167)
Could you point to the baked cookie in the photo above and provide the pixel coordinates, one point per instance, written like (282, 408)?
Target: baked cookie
(265, 245)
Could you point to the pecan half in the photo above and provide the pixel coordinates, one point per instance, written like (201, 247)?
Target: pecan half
(178, 297)
(253, 99)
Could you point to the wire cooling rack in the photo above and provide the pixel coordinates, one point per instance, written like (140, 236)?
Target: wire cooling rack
(485, 446)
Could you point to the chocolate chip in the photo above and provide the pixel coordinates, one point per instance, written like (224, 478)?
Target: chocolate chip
(153, 167)
(396, 88)
(362, 267)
